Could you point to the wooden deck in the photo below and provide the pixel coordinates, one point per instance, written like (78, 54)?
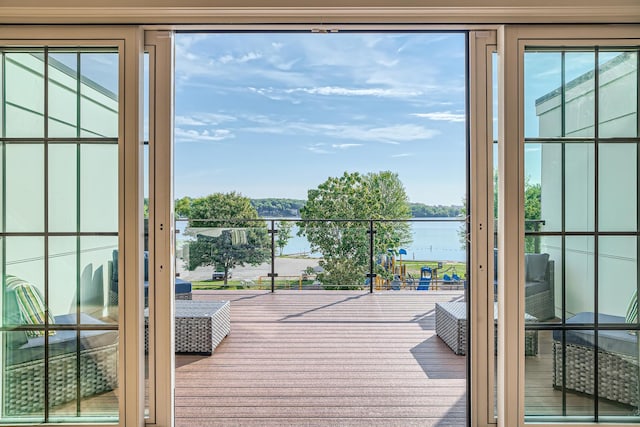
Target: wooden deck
(320, 358)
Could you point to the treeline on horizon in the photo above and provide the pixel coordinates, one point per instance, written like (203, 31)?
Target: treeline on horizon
(290, 208)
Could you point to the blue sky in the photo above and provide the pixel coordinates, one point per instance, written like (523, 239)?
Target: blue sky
(276, 114)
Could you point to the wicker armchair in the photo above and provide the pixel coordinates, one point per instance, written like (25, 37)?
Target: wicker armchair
(539, 289)
(182, 287)
(96, 355)
(617, 360)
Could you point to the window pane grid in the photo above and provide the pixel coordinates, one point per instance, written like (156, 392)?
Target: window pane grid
(77, 326)
(609, 157)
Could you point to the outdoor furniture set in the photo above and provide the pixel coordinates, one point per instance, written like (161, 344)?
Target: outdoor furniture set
(617, 350)
(24, 356)
(451, 327)
(199, 327)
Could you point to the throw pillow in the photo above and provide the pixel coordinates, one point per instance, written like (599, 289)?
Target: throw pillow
(30, 304)
(632, 309)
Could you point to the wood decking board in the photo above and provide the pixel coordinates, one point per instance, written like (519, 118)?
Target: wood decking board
(340, 358)
(325, 359)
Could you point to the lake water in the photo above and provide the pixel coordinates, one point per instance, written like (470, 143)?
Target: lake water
(432, 241)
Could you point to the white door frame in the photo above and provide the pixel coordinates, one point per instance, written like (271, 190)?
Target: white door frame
(511, 44)
(481, 44)
(130, 229)
(159, 44)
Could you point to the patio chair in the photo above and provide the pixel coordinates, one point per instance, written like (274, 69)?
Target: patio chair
(23, 357)
(182, 287)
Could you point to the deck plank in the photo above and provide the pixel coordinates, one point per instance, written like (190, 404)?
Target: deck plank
(342, 358)
(327, 359)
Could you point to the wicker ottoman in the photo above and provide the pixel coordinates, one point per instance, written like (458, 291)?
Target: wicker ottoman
(451, 327)
(199, 325)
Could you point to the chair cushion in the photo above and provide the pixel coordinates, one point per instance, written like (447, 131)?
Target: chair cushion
(11, 318)
(182, 287)
(30, 304)
(535, 266)
(63, 342)
(618, 342)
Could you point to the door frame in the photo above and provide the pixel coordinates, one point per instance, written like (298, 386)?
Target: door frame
(479, 224)
(130, 226)
(511, 231)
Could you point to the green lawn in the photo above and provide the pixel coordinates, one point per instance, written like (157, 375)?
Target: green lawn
(210, 285)
(413, 268)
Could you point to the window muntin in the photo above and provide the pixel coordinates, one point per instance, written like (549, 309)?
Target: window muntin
(58, 234)
(581, 149)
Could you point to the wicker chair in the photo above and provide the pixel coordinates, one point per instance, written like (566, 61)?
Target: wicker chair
(182, 287)
(539, 285)
(24, 367)
(617, 361)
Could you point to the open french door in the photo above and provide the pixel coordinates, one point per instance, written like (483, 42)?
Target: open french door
(71, 226)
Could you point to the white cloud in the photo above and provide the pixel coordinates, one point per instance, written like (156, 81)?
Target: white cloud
(188, 121)
(344, 91)
(318, 148)
(345, 146)
(402, 155)
(203, 119)
(443, 116)
(190, 135)
(388, 134)
(387, 63)
(225, 59)
(394, 134)
(250, 56)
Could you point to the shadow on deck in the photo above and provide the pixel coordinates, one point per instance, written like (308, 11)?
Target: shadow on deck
(325, 358)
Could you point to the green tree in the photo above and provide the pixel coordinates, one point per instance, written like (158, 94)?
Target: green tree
(532, 215)
(183, 207)
(344, 243)
(532, 210)
(284, 234)
(224, 234)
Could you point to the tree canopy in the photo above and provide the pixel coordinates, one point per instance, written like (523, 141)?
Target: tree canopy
(343, 242)
(280, 208)
(224, 235)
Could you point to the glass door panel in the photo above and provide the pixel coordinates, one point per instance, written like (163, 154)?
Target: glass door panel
(59, 234)
(581, 269)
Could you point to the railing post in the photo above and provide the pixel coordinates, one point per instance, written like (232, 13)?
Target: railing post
(371, 275)
(273, 231)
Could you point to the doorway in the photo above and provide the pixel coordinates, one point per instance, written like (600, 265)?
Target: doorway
(321, 186)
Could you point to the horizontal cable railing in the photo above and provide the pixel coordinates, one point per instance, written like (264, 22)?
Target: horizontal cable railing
(307, 254)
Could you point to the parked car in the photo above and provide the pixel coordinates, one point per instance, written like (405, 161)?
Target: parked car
(219, 275)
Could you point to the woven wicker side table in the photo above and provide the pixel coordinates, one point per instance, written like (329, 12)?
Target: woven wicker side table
(451, 327)
(199, 325)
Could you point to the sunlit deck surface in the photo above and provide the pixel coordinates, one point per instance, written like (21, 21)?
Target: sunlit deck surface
(338, 358)
(325, 358)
